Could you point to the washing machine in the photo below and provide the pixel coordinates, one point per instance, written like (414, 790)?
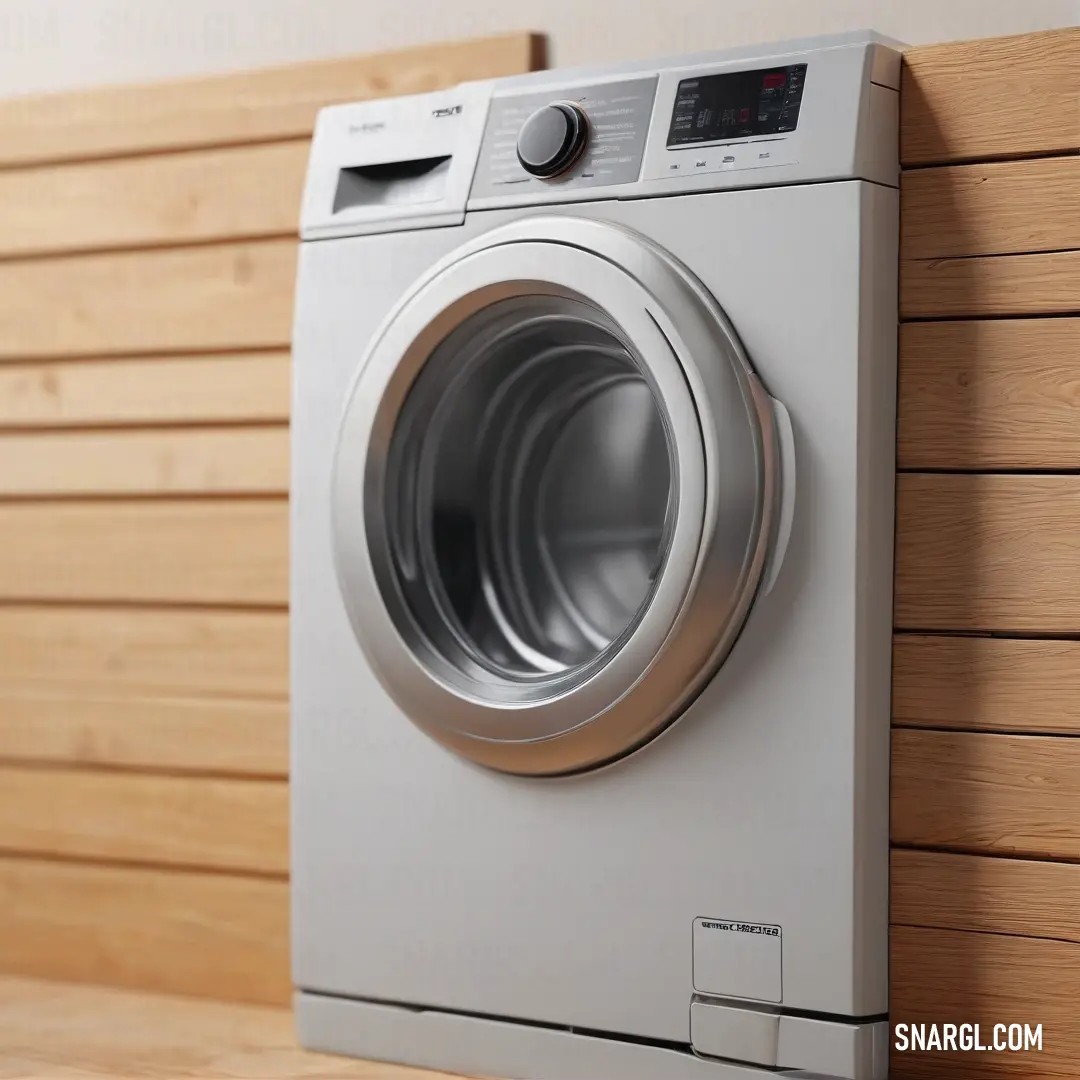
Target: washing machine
(592, 539)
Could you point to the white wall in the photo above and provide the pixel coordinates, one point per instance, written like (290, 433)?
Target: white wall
(60, 44)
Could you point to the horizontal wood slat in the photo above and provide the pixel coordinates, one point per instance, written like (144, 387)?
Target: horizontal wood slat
(209, 735)
(997, 208)
(947, 976)
(139, 654)
(248, 106)
(1025, 686)
(223, 194)
(1006, 97)
(1044, 284)
(995, 794)
(155, 462)
(200, 552)
(188, 821)
(238, 388)
(200, 299)
(185, 933)
(998, 896)
(993, 394)
(988, 552)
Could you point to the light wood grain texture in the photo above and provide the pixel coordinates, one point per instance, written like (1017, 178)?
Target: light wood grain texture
(1045, 284)
(194, 551)
(991, 394)
(995, 794)
(239, 388)
(997, 208)
(154, 462)
(998, 896)
(224, 824)
(189, 933)
(988, 552)
(947, 976)
(271, 103)
(144, 654)
(212, 298)
(47, 1028)
(1024, 686)
(1004, 97)
(209, 735)
(223, 194)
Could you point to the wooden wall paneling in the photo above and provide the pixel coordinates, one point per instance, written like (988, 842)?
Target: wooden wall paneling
(994, 208)
(211, 389)
(139, 654)
(1006, 97)
(246, 460)
(192, 821)
(200, 299)
(229, 193)
(948, 976)
(1043, 284)
(174, 551)
(198, 933)
(201, 735)
(249, 106)
(988, 552)
(995, 896)
(989, 793)
(989, 394)
(1011, 685)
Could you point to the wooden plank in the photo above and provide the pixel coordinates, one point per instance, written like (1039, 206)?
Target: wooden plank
(996, 896)
(1044, 284)
(1023, 686)
(988, 552)
(998, 208)
(53, 1029)
(222, 824)
(186, 933)
(176, 551)
(1003, 97)
(994, 794)
(248, 106)
(994, 394)
(139, 654)
(200, 299)
(156, 462)
(231, 193)
(238, 388)
(204, 735)
(947, 976)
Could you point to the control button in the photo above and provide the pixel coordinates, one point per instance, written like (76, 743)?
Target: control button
(552, 139)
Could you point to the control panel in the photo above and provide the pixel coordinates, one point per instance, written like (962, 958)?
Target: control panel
(584, 137)
(810, 111)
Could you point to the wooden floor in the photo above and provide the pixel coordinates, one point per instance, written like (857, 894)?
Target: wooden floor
(53, 1030)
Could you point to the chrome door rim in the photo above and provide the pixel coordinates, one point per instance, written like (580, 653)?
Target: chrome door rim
(712, 401)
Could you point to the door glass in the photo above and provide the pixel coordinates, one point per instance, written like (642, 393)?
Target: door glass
(530, 494)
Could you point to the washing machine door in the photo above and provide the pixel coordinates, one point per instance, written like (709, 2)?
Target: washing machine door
(557, 487)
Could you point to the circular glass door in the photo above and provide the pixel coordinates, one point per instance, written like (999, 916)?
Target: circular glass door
(552, 497)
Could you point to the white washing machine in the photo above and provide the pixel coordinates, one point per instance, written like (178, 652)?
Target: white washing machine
(592, 530)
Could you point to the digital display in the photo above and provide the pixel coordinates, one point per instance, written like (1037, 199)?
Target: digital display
(738, 105)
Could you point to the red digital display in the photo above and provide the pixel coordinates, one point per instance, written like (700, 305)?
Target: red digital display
(774, 80)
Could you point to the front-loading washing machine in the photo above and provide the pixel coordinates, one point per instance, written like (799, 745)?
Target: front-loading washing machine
(592, 532)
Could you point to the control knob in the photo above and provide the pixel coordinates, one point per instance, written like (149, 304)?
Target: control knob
(552, 139)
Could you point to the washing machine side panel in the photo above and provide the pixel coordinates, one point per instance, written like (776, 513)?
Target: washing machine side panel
(421, 879)
(876, 498)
